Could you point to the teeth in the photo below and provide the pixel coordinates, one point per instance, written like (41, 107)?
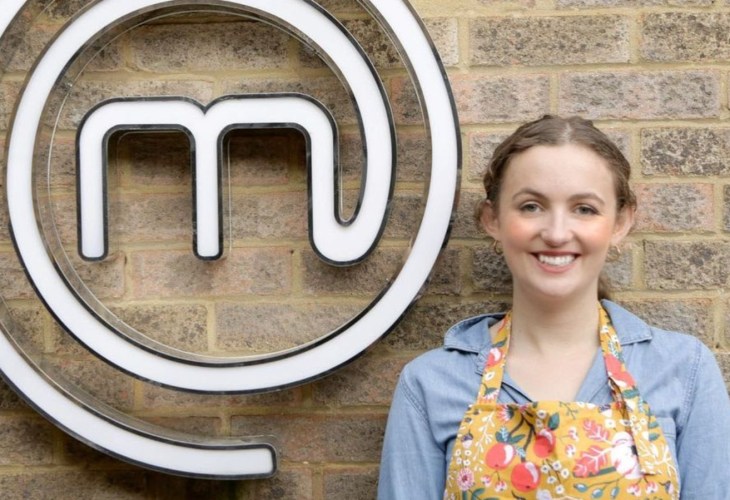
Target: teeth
(562, 260)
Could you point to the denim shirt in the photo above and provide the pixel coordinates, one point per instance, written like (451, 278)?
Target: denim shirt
(676, 374)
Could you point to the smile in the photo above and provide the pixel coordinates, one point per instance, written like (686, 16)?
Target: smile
(556, 260)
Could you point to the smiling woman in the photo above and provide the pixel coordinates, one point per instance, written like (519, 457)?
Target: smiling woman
(566, 395)
(556, 217)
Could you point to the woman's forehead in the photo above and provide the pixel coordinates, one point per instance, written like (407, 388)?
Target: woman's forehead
(566, 168)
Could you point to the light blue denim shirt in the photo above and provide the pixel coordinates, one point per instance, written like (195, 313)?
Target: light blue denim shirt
(676, 374)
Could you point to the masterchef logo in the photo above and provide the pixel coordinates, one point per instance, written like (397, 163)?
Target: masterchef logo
(336, 241)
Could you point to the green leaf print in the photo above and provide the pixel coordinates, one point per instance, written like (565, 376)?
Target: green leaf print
(554, 421)
(516, 439)
(631, 393)
(503, 435)
(477, 493)
(606, 470)
(489, 390)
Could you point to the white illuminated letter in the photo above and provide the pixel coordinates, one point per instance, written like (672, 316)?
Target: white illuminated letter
(333, 240)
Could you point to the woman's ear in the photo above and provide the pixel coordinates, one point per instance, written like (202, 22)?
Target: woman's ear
(488, 219)
(624, 223)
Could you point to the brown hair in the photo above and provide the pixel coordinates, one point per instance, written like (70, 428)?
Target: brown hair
(551, 130)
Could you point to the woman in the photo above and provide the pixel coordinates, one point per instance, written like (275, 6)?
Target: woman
(568, 395)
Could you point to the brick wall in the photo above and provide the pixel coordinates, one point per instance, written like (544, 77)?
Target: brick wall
(653, 73)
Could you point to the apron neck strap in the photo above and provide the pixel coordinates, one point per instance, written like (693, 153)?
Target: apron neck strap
(496, 359)
(621, 382)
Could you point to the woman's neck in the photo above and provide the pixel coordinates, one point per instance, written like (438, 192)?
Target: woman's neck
(546, 328)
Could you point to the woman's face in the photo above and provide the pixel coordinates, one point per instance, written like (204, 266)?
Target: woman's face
(556, 219)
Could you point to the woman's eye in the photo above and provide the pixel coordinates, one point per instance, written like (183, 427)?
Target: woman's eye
(529, 207)
(586, 210)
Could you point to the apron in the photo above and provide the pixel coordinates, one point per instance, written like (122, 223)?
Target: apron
(561, 450)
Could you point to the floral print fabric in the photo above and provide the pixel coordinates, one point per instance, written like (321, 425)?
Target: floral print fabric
(561, 450)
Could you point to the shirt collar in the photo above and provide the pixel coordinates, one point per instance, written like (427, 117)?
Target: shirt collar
(472, 334)
(629, 327)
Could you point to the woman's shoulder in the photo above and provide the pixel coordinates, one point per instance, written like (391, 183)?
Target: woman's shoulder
(462, 339)
(633, 330)
(668, 366)
(654, 352)
(462, 355)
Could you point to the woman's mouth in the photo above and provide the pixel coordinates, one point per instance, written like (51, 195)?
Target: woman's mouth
(556, 260)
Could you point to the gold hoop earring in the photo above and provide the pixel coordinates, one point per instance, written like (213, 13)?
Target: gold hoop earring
(497, 247)
(614, 254)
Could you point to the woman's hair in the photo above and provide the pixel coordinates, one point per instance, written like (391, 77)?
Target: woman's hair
(551, 130)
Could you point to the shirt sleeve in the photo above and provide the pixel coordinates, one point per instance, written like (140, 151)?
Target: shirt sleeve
(412, 464)
(703, 438)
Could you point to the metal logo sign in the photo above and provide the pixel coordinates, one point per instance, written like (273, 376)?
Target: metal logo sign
(336, 241)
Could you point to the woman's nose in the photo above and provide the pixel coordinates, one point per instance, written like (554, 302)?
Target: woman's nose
(556, 231)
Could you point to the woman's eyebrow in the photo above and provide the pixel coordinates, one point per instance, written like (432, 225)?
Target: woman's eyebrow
(528, 192)
(575, 197)
(589, 195)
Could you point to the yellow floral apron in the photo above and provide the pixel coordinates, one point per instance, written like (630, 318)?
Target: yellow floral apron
(561, 450)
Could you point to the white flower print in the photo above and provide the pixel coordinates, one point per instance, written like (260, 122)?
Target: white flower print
(543, 495)
(465, 479)
(623, 457)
